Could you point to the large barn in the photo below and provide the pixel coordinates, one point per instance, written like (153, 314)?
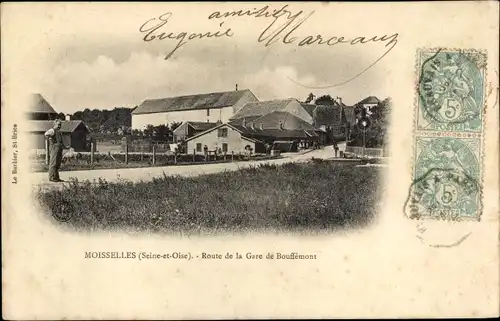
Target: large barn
(212, 107)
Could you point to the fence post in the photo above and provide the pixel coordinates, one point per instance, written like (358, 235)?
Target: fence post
(194, 155)
(154, 154)
(142, 156)
(232, 156)
(47, 156)
(126, 151)
(225, 156)
(175, 158)
(92, 144)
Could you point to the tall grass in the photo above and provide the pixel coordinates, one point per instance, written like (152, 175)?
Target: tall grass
(317, 195)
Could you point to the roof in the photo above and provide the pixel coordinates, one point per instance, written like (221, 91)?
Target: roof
(269, 126)
(261, 108)
(67, 126)
(190, 102)
(223, 125)
(274, 119)
(276, 133)
(201, 126)
(245, 120)
(370, 100)
(309, 108)
(197, 126)
(40, 105)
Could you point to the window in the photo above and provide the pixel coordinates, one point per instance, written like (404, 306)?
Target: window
(208, 112)
(224, 147)
(198, 147)
(222, 132)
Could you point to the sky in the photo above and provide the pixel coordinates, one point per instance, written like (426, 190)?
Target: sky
(112, 66)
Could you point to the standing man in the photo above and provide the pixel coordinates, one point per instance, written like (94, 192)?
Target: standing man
(56, 146)
(335, 148)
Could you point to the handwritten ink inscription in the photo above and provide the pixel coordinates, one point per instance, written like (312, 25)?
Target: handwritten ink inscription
(284, 27)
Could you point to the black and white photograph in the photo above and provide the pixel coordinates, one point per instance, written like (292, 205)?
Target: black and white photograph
(216, 136)
(222, 160)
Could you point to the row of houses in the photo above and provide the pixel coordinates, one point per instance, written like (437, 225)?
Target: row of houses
(231, 121)
(234, 121)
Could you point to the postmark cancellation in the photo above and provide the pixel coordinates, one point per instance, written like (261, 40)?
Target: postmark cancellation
(448, 135)
(451, 90)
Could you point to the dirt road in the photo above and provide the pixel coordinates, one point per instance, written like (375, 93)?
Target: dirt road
(146, 174)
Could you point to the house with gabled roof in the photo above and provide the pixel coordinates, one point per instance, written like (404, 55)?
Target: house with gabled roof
(74, 133)
(210, 107)
(258, 109)
(40, 109)
(368, 103)
(41, 117)
(224, 138)
(278, 125)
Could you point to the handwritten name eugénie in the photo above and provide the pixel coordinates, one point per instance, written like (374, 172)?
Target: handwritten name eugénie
(283, 27)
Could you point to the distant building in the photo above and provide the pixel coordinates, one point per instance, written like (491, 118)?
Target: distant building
(368, 103)
(278, 125)
(254, 110)
(41, 117)
(40, 109)
(75, 134)
(226, 138)
(208, 108)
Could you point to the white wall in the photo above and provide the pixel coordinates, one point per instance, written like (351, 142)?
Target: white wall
(140, 121)
(234, 141)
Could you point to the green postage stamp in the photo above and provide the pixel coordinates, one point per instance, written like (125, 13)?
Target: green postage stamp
(448, 135)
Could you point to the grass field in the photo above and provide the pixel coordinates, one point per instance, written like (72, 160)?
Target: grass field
(313, 196)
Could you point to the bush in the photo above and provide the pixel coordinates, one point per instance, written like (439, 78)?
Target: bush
(310, 196)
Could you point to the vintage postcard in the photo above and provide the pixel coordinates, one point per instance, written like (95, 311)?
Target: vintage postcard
(222, 160)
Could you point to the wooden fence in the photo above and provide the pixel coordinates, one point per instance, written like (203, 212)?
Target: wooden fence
(370, 152)
(152, 157)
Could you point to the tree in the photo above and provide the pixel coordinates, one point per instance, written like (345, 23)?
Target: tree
(379, 124)
(106, 120)
(149, 131)
(161, 133)
(310, 98)
(325, 100)
(174, 125)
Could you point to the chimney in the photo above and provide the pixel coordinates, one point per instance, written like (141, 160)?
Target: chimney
(67, 117)
(236, 87)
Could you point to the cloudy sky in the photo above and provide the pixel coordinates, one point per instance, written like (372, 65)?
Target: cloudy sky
(100, 60)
